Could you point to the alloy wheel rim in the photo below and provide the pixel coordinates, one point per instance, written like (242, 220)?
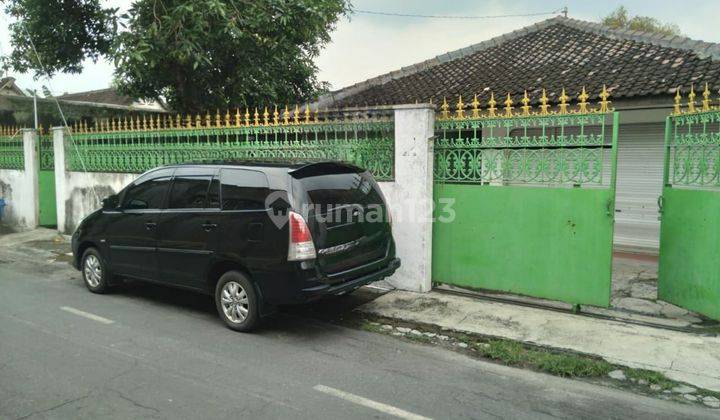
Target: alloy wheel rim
(93, 271)
(234, 301)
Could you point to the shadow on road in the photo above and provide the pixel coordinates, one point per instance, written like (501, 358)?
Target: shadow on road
(330, 310)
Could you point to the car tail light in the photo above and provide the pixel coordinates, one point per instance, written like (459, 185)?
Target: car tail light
(301, 243)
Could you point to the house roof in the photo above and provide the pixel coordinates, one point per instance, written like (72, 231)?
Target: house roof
(7, 84)
(553, 54)
(100, 96)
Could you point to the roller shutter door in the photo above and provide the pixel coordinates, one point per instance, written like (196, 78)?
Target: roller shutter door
(639, 184)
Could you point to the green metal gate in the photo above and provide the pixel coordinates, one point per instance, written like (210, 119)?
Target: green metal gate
(46, 181)
(689, 272)
(525, 200)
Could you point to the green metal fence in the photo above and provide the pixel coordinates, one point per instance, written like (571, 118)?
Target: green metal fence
(138, 145)
(11, 148)
(525, 200)
(689, 272)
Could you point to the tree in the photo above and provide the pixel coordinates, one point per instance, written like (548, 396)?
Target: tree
(619, 19)
(199, 54)
(63, 32)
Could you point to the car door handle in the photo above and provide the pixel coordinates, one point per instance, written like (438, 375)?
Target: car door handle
(207, 227)
(150, 225)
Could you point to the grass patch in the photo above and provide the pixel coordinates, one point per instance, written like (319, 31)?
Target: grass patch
(512, 353)
(366, 325)
(652, 378)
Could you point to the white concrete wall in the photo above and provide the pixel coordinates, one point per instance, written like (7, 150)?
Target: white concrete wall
(80, 193)
(410, 197)
(19, 188)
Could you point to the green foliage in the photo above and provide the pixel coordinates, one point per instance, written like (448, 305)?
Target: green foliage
(619, 19)
(63, 32)
(195, 54)
(201, 54)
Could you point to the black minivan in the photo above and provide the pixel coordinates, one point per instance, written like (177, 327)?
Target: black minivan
(251, 234)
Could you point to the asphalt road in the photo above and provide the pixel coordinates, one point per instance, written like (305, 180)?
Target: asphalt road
(151, 352)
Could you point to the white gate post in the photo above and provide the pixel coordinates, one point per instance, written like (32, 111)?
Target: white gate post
(29, 205)
(410, 197)
(60, 178)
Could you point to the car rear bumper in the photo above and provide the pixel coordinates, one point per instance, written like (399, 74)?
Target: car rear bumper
(349, 285)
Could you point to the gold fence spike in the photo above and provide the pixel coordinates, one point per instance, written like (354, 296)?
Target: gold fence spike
(491, 106)
(307, 113)
(460, 108)
(563, 102)
(114, 127)
(217, 118)
(706, 98)
(208, 119)
(691, 100)
(286, 116)
(583, 97)
(198, 121)
(445, 110)
(150, 123)
(144, 122)
(227, 117)
(677, 107)
(256, 118)
(316, 116)
(296, 115)
(544, 104)
(475, 107)
(266, 116)
(509, 106)
(604, 103)
(247, 117)
(237, 117)
(276, 116)
(525, 104)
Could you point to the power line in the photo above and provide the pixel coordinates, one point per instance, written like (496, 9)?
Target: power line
(372, 12)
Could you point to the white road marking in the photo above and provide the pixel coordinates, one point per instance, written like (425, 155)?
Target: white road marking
(87, 315)
(383, 408)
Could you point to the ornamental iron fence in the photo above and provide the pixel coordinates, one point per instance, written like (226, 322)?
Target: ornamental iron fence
(689, 270)
(11, 148)
(545, 147)
(537, 185)
(138, 144)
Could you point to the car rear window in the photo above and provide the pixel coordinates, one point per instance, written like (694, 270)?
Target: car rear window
(335, 190)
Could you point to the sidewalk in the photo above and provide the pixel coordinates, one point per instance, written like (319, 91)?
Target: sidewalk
(681, 356)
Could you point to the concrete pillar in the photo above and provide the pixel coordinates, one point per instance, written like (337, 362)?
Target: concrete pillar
(60, 176)
(31, 196)
(410, 197)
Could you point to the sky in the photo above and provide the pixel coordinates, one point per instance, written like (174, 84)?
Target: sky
(364, 45)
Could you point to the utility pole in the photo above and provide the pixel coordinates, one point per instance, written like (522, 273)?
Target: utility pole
(35, 108)
(564, 11)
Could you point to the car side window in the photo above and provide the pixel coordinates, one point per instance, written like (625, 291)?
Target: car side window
(149, 191)
(243, 189)
(189, 192)
(213, 197)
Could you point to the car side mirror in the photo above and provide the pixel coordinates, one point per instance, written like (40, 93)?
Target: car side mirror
(110, 202)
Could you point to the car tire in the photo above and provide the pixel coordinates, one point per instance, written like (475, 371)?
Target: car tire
(94, 271)
(237, 302)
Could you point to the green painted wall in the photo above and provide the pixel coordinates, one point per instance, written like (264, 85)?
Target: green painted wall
(689, 273)
(553, 243)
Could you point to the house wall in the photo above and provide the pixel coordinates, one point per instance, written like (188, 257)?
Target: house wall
(19, 188)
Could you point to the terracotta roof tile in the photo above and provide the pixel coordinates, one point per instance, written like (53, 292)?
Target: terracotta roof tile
(552, 54)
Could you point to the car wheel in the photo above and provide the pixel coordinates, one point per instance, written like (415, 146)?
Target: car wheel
(236, 301)
(94, 271)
